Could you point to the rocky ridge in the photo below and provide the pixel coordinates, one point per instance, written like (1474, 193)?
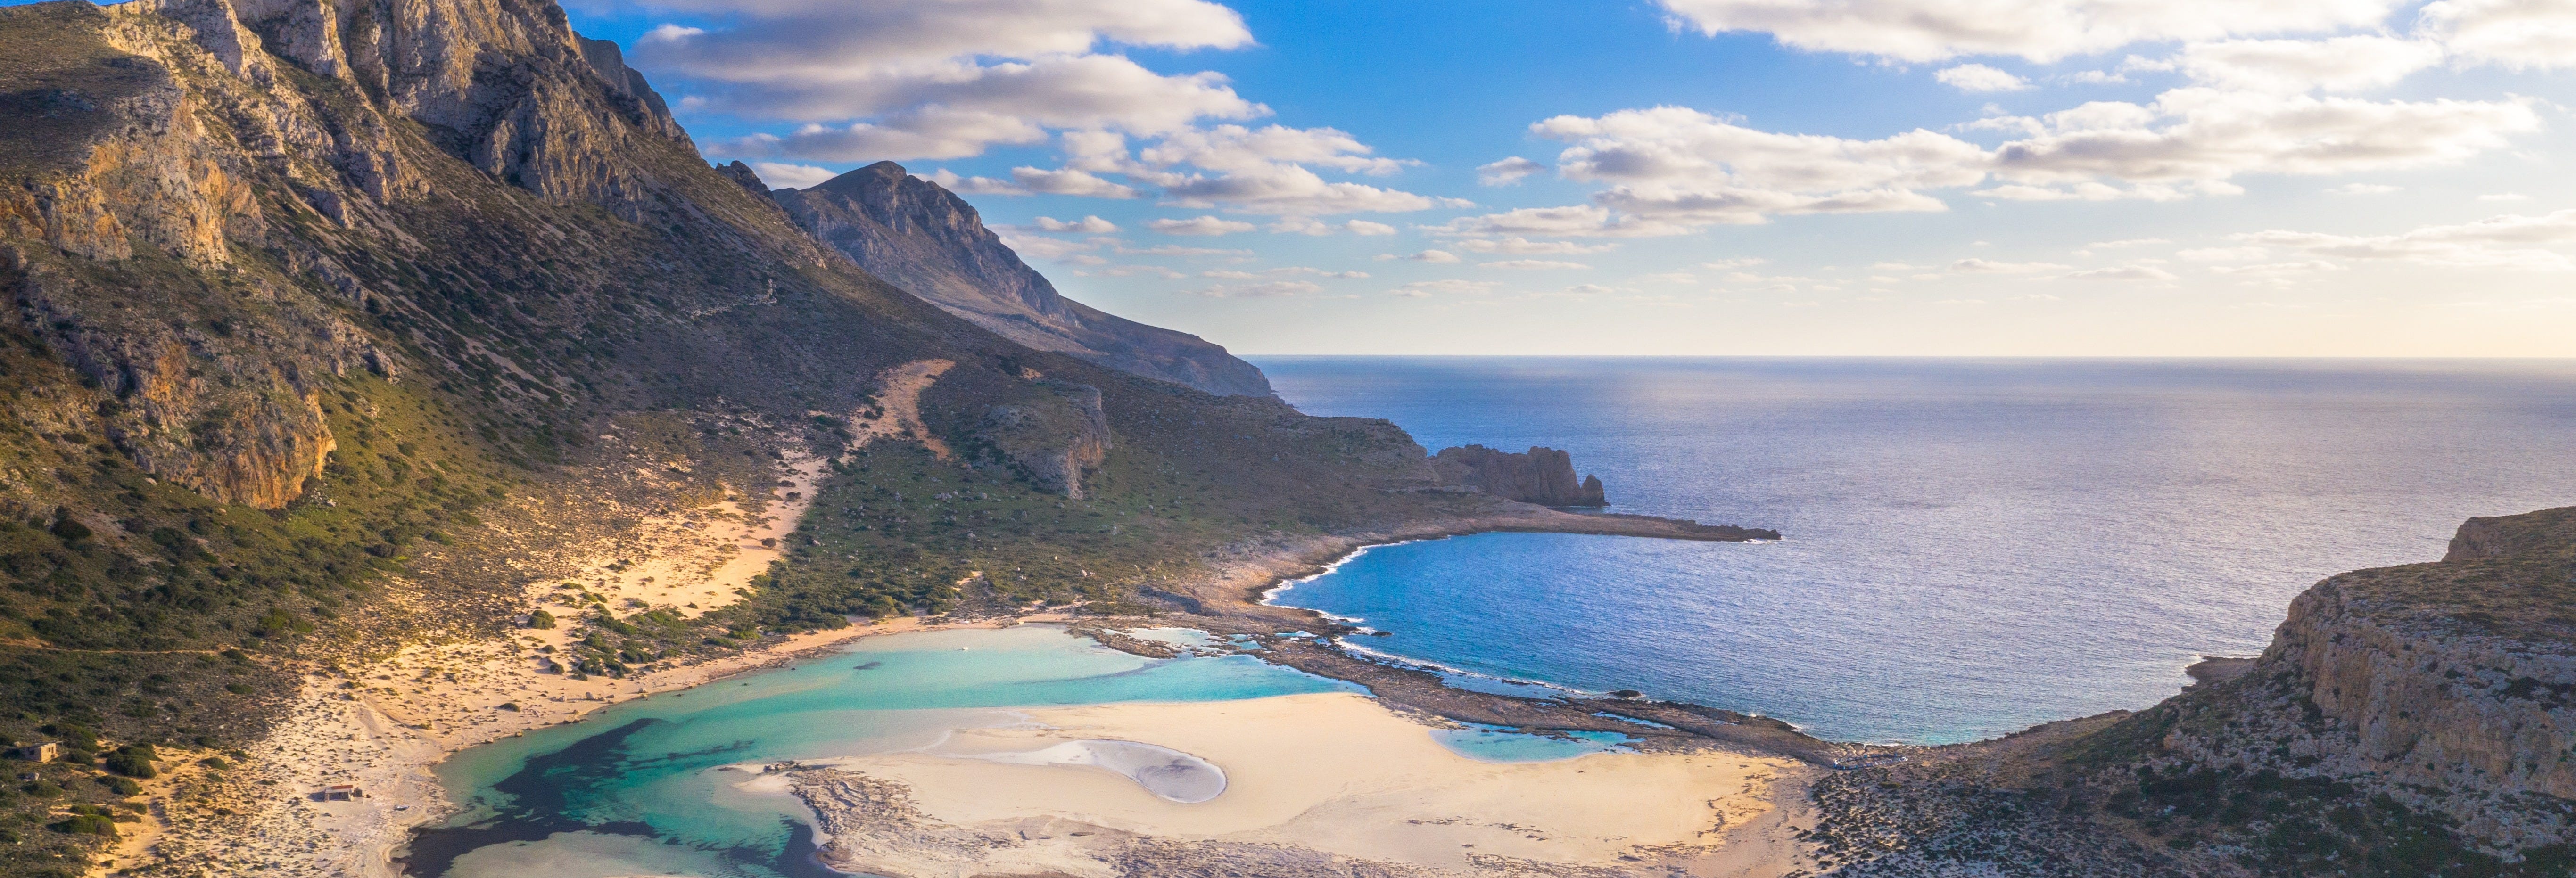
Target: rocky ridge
(921, 237)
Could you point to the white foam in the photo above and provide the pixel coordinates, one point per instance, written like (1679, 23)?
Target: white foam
(1270, 596)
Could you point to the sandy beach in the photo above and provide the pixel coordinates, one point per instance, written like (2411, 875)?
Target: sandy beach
(1337, 774)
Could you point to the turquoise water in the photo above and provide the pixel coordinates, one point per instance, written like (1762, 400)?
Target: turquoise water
(1486, 743)
(1972, 546)
(638, 788)
(642, 788)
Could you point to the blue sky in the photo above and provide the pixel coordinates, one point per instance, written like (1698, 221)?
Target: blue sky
(1967, 177)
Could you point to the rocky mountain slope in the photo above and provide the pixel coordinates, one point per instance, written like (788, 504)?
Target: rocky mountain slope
(338, 330)
(2406, 721)
(926, 240)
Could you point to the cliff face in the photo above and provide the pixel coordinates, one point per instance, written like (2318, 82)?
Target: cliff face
(1051, 435)
(2450, 686)
(1544, 476)
(931, 243)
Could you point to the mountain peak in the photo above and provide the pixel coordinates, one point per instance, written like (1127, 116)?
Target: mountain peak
(919, 236)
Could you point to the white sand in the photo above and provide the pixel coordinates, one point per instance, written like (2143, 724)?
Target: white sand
(1340, 773)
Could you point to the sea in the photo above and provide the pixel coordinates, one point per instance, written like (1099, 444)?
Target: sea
(1970, 547)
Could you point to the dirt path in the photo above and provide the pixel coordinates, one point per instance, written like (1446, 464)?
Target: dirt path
(898, 410)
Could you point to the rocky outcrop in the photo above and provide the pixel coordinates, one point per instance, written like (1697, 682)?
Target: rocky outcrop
(2448, 686)
(931, 243)
(1544, 476)
(1051, 436)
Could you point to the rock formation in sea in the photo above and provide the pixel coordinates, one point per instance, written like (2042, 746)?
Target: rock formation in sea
(926, 240)
(1541, 475)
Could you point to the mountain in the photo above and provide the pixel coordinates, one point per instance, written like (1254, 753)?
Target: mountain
(348, 339)
(926, 240)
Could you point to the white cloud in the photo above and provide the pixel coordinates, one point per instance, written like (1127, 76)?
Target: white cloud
(1524, 246)
(2125, 242)
(1424, 256)
(1178, 250)
(1034, 181)
(792, 176)
(2040, 30)
(1290, 189)
(1980, 78)
(2363, 189)
(1739, 262)
(1531, 264)
(2518, 34)
(1270, 289)
(1307, 225)
(1235, 148)
(2277, 269)
(945, 80)
(1091, 225)
(1035, 247)
(1577, 221)
(1200, 226)
(2508, 241)
(880, 79)
(1683, 166)
(2124, 272)
(1424, 288)
(2224, 254)
(2349, 63)
(1989, 266)
(1282, 272)
(2504, 196)
(2209, 135)
(1135, 270)
(1507, 171)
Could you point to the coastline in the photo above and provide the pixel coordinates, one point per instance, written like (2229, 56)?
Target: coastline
(354, 728)
(390, 753)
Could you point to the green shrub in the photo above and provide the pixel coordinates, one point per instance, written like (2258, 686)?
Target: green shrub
(69, 528)
(541, 619)
(120, 785)
(85, 824)
(130, 764)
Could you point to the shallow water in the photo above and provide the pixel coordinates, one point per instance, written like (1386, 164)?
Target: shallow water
(642, 788)
(659, 786)
(1485, 743)
(1973, 546)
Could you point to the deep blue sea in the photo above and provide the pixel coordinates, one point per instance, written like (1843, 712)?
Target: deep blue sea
(1972, 546)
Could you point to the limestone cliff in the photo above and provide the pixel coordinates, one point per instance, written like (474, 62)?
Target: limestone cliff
(1544, 476)
(931, 243)
(2450, 686)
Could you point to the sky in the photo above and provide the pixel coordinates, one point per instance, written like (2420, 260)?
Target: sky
(1684, 177)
